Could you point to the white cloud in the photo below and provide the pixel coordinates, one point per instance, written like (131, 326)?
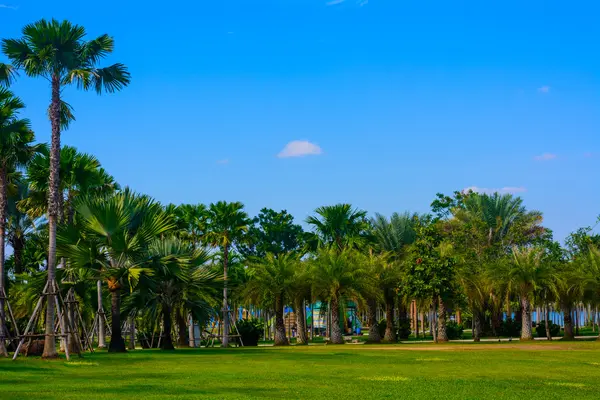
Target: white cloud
(334, 2)
(9, 7)
(224, 161)
(362, 2)
(299, 148)
(545, 157)
(504, 190)
(544, 89)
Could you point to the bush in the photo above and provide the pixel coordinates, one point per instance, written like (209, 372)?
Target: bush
(251, 331)
(510, 328)
(541, 329)
(454, 330)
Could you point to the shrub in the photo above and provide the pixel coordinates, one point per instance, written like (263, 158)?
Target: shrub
(454, 330)
(510, 328)
(541, 329)
(251, 331)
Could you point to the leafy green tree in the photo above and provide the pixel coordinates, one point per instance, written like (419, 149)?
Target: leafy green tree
(227, 225)
(58, 52)
(272, 232)
(191, 221)
(113, 238)
(339, 226)
(270, 284)
(339, 276)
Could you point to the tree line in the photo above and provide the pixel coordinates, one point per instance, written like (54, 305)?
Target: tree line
(485, 257)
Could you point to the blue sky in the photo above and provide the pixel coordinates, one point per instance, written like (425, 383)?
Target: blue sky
(397, 100)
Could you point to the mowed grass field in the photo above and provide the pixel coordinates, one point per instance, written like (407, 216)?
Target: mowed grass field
(422, 371)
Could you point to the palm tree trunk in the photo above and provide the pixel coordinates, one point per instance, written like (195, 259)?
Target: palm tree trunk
(336, 330)
(547, 322)
(53, 194)
(191, 338)
(117, 343)
(374, 336)
(18, 244)
(302, 338)
(3, 201)
(131, 333)
(476, 326)
(526, 333)
(182, 330)
(390, 331)
(569, 334)
(225, 342)
(442, 335)
(167, 341)
(280, 337)
(101, 329)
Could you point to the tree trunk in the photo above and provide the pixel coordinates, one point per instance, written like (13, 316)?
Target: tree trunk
(131, 333)
(569, 334)
(442, 335)
(182, 330)
(117, 343)
(280, 337)
(73, 342)
(336, 331)
(3, 202)
(547, 322)
(101, 328)
(390, 330)
(53, 194)
(167, 341)
(191, 338)
(526, 333)
(225, 342)
(300, 311)
(476, 326)
(374, 336)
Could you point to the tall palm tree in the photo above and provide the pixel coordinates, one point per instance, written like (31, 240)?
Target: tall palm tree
(524, 274)
(227, 223)
(270, 284)
(339, 276)
(393, 237)
(339, 225)
(16, 149)
(58, 52)
(112, 238)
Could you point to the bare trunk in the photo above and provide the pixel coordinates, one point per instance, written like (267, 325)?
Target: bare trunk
(225, 342)
(101, 328)
(117, 344)
(336, 330)
(569, 334)
(442, 335)
(18, 244)
(3, 200)
(131, 333)
(476, 326)
(300, 311)
(280, 337)
(526, 333)
(53, 194)
(390, 330)
(167, 341)
(547, 322)
(374, 336)
(73, 341)
(191, 338)
(182, 330)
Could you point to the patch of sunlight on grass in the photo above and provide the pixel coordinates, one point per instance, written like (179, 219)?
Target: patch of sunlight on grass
(595, 364)
(384, 378)
(567, 384)
(81, 363)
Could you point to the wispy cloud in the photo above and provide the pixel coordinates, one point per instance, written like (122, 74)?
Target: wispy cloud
(504, 190)
(300, 148)
(545, 157)
(544, 89)
(362, 2)
(334, 2)
(8, 6)
(223, 162)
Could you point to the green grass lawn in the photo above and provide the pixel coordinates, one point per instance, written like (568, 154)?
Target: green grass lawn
(421, 371)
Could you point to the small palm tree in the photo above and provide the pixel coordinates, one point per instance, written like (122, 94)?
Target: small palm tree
(58, 52)
(524, 274)
(270, 283)
(339, 225)
(338, 276)
(227, 223)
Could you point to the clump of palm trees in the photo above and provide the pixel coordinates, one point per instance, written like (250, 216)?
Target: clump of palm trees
(166, 268)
